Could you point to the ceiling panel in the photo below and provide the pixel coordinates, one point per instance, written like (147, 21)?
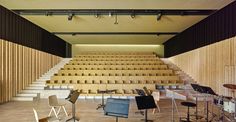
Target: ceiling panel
(114, 4)
(106, 23)
(116, 39)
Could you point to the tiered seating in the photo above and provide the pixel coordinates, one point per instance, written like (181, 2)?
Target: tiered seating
(125, 72)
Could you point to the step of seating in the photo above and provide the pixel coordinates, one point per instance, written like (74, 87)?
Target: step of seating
(34, 88)
(37, 85)
(39, 82)
(27, 95)
(23, 98)
(30, 91)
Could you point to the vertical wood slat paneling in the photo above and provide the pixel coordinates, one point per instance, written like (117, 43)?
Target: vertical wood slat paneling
(212, 65)
(20, 66)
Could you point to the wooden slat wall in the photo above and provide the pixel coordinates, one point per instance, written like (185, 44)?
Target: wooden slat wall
(212, 65)
(20, 66)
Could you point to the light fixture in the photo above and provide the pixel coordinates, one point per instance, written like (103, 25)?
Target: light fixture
(110, 14)
(70, 16)
(48, 13)
(96, 15)
(132, 15)
(159, 16)
(116, 20)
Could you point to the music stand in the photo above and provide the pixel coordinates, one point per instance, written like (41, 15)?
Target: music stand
(145, 102)
(209, 91)
(117, 108)
(73, 98)
(102, 105)
(198, 89)
(140, 92)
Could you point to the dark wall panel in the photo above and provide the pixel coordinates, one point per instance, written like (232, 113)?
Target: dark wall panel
(21, 31)
(218, 26)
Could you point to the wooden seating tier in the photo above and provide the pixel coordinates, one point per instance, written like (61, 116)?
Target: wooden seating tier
(125, 72)
(115, 53)
(115, 72)
(115, 59)
(115, 62)
(128, 67)
(124, 88)
(115, 56)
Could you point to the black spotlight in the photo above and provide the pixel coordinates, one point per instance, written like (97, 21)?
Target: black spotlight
(70, 16)
(132, 15)
(159, 16)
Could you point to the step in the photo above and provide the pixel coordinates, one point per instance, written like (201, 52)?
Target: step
(31, 91)
(44, 77)
(22, 99)
(34, 88)
(27, 95)
(37, 85)
(39, 82)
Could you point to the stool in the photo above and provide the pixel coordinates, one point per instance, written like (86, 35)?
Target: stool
(188, 104)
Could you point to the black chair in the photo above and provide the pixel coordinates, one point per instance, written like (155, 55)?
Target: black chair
(187, 104)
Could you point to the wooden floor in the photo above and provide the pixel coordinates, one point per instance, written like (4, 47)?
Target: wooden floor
(86, 111)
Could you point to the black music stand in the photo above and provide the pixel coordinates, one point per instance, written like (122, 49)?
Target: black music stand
(140, 92)
(117, 108)
(73, 98)
(145, 102)
(198, 89)
(209, 91)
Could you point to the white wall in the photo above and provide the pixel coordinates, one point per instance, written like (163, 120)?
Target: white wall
(159, 49)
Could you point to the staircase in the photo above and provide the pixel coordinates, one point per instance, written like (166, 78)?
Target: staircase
(183, 76)
(33, 91)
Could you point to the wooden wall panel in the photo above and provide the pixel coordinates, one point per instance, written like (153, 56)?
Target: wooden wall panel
(20, 66)
(212, 65)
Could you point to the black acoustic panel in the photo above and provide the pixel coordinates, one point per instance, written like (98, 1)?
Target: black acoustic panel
(217, 27)
(21, 31)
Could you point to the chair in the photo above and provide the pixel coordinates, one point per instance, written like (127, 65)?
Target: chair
(37, 118)
(156, 96)
(42, 119)
(188, 105)
(53, 103)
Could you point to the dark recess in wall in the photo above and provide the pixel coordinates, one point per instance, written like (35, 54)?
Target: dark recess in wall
(16, 29)
(217, 27)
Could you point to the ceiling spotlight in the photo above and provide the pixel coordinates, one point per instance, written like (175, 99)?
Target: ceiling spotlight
(159, 16)
(110, 14)
(132, 15)
(48, 13)
(116, 20)
(70, 16)
(96, 15)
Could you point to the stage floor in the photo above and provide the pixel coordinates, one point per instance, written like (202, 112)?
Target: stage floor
(86, 111)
